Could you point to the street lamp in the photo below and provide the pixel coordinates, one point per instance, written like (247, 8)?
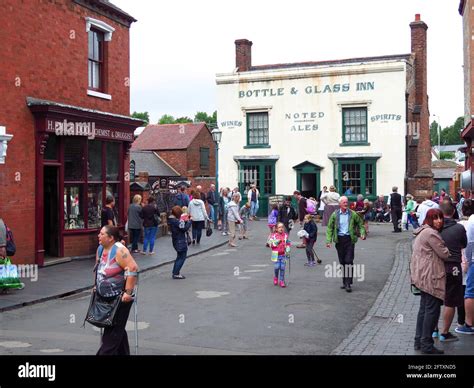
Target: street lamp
(216, 136)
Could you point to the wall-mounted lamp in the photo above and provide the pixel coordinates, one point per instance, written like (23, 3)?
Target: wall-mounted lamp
(4, 139)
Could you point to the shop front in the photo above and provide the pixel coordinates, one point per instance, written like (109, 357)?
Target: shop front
(82, 157)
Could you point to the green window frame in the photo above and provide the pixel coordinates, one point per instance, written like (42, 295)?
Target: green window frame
(354, 126)
(204, 158)
(257, 130)
(359, 173)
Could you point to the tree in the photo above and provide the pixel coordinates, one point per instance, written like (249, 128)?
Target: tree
(166, 119)
(447, 155)
(142, 116)
(204, 117)
(434, 133)
(448, 135)
(182, 120)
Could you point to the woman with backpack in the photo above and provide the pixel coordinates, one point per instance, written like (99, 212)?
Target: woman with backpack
(179, 226)
(197, 212)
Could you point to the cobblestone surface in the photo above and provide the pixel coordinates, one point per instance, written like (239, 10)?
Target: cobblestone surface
(389, 327)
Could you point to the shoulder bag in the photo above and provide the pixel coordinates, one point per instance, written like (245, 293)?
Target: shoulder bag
(102, 311)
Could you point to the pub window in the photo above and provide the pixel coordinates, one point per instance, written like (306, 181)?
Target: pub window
(96, 60)
(257, 129)
(204, 158)
(354, 125)
(358, 176)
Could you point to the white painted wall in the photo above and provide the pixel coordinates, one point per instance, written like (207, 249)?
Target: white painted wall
(294, 147)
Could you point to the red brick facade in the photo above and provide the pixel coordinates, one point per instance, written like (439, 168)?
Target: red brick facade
(419, 176)
(45, 56)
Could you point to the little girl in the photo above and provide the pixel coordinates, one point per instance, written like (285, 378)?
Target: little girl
(185, 216)
(311, 228)
(245, 215)
(280, 245)
(273, 218)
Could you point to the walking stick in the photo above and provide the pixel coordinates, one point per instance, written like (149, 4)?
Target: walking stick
(135, 302)
(317, 258)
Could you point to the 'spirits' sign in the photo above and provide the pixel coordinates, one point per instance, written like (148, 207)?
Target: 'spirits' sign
(88, 129)
(385, 118)
(310, 89)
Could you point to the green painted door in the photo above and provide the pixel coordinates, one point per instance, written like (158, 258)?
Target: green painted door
(262, 173)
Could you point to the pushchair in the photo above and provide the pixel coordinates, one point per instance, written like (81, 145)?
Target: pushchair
(9, 278)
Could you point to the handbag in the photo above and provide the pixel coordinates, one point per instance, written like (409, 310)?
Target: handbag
(102, 311)
(188, 238)
(209, 230)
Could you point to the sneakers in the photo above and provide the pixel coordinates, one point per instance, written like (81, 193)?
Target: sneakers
(433, 350)
(282, 284)
(224, 233)
(448, 337)
(464, 330)
(275, 281)
(308, 264)
(435, 334)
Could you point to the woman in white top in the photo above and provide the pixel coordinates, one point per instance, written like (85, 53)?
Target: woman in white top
(233, 218)
(331, 202)
(197, 212)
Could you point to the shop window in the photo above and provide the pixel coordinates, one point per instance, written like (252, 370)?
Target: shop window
(73, 159)
(73, 205)
(113, 190)
(94, 205)
(257, 129)
(94, 165)
(354, 126)
(113, 161)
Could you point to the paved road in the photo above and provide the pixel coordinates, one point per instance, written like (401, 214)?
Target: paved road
(227, 305)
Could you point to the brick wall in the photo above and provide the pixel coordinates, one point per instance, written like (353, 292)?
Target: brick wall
(80, 244)
(177, 159)
(44, 55)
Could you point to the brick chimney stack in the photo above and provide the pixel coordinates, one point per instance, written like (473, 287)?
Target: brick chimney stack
(419, 115)
(243, 54)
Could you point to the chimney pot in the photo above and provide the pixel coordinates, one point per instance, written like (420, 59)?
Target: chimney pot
(417, 17)
(243, 54)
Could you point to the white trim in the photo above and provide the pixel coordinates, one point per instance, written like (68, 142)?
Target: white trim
(100, 25)
(93, 93)
(355, 104)
(256, 109)
(4, 139)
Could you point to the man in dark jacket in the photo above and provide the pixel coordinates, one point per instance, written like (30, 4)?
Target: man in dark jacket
(301, 212)
(181, 199)
(454, 236)
(396, 209)
(211, 198)
(287, 215)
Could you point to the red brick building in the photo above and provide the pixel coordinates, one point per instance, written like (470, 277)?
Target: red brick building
(187, 148)
(467, 13)
(64, 79)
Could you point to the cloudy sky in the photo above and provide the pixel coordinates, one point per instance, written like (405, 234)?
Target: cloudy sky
(177, 47)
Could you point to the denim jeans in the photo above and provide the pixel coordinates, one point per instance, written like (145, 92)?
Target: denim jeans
(180, 259)
(280, 266)
(198, 226)
(427, 320)
(135, 235)
(253, 208)
(150, 235)
(212, 213)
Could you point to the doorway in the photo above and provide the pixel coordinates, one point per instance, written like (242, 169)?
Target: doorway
(51, 211)
(308, 185)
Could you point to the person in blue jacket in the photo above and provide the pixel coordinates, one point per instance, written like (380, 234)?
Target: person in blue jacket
(179, 226)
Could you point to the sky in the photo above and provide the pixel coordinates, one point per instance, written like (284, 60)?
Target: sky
(177, 47)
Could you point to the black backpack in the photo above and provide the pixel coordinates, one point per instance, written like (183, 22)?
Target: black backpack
(11, 247)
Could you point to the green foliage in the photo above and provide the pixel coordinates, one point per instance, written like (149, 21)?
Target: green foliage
(142, 116)
(204, 117)
(447, 155)
(449, 135)
(182, 120)
(166, 119)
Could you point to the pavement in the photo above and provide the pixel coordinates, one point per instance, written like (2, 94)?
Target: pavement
(389, 327)
(65, 279)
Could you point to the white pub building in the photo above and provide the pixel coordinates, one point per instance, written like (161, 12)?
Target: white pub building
(307, 125)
